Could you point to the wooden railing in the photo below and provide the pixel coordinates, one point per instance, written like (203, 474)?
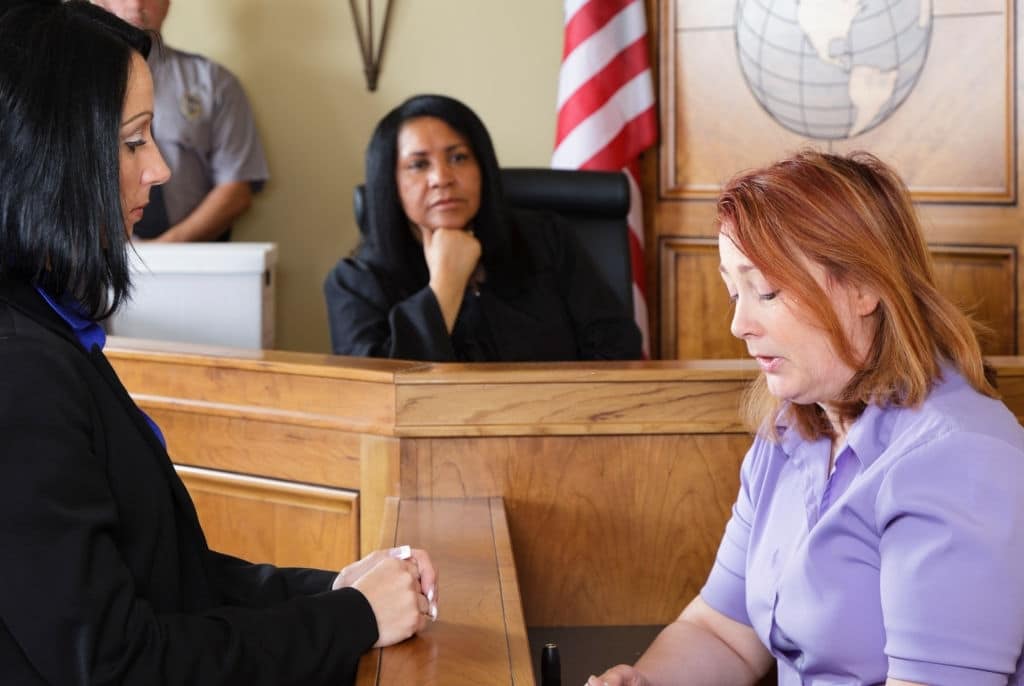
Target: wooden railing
(480, 635)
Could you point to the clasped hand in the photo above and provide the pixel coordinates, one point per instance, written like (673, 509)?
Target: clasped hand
(402, 593)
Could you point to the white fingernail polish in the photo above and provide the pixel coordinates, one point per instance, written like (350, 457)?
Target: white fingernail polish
(433, 612)
(402, 552)
(430, 594)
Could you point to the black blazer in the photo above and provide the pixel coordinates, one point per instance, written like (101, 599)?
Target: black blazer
(105, 575)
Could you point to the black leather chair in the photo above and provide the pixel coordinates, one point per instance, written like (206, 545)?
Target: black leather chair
(594, 204)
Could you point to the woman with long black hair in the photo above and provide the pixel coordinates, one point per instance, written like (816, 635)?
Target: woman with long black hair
(107, 577)
(447, 272)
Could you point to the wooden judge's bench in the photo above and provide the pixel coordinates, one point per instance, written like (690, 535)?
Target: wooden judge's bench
(550, 495)
(615, 479)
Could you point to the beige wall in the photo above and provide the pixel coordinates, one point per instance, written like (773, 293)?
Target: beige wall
(300, 65)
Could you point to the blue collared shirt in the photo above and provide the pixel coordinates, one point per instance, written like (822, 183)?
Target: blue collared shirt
(90, 334)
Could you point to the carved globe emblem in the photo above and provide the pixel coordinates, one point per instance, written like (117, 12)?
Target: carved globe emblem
(832, 69)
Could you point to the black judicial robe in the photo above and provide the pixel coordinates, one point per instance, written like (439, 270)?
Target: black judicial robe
(105, 575)
(561, 311)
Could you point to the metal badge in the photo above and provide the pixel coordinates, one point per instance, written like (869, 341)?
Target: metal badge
(191, 106)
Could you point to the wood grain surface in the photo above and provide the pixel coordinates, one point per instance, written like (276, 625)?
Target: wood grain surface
(479, 636)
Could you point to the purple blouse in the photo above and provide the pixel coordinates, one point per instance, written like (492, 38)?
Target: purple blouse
(907, 562)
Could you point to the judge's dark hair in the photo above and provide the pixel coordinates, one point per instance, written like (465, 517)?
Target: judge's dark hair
(389, 244)
(64, 70)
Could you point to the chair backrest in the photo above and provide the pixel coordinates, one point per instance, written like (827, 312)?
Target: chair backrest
(593, 204)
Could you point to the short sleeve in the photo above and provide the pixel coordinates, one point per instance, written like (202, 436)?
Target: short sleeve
(951, 517)
(725, 589)
(236, 153)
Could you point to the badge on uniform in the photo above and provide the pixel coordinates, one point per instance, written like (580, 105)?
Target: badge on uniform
(191, 106)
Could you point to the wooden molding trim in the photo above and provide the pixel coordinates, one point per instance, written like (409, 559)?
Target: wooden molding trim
(268, 490)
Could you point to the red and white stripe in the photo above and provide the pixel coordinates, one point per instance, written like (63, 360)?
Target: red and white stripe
(606, 108)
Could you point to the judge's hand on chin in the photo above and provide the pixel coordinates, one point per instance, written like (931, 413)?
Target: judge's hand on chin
(451, 253)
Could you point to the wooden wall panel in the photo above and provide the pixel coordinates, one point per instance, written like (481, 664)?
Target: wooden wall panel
(702, 92)
(696, 302)
(578, 505)
(697, 312)
(656, 406)
(983, 282)
(379, 479)
(713, 126)
(952, 7)
(967, 154)
(1010, 373)
(304, 393)
(953, 139)
(262, 520)
(251, 443)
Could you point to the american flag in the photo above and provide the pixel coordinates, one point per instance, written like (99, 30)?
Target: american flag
(606, 108)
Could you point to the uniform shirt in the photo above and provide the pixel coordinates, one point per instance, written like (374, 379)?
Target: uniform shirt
(905, 562)
(205, 130)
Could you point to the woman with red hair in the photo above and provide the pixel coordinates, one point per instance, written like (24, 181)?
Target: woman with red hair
(878, 532)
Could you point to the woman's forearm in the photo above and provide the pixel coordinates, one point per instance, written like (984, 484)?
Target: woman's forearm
(684, 648)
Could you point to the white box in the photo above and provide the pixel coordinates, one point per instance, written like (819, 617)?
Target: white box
(211, 293)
